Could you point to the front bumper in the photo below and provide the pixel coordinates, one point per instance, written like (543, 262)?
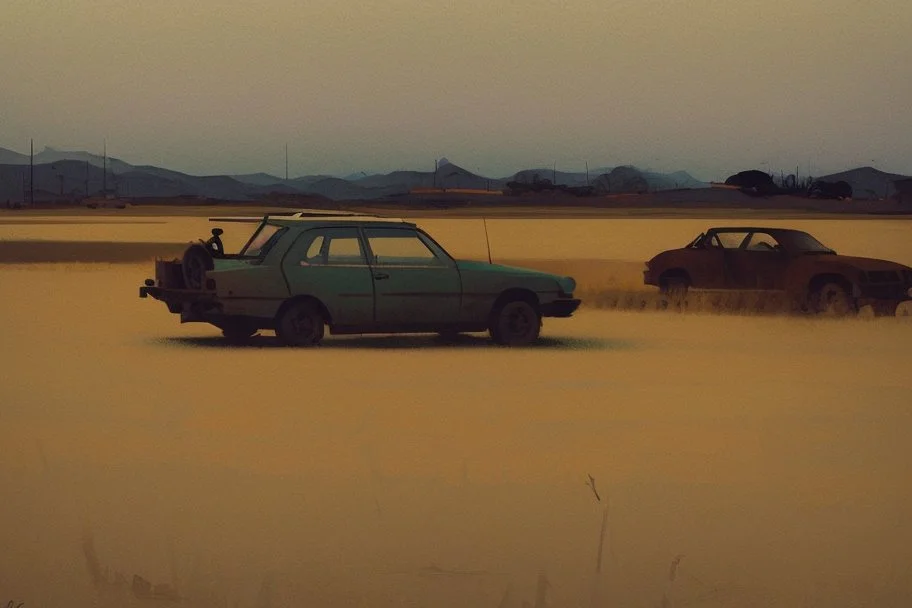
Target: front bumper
(892, 292)
(560, 308)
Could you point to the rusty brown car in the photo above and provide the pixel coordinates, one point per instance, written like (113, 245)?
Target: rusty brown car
(813, 276)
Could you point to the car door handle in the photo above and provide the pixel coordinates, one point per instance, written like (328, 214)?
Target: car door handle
(381, 275)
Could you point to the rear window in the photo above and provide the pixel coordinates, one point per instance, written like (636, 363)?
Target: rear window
(263, 240)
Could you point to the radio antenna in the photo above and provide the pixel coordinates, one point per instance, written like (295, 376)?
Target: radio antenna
(487, 240)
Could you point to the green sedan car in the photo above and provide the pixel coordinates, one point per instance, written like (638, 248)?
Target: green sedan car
(356, 274)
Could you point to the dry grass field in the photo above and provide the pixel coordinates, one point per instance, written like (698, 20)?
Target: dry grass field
(771, 452)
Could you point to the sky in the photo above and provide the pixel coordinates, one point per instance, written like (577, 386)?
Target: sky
(707, 86)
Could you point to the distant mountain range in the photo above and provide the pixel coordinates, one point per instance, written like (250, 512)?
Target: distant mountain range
(61, 174)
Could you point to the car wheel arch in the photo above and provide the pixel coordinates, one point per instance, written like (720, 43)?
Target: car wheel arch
(515, 293)
(819, 280)
(674, 273)
(305, 298)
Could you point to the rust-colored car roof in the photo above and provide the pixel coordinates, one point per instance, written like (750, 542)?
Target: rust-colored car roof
(756, 229)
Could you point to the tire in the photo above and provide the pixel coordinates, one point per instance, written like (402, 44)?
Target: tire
(196, 261)
(675, 288)
(885, 308)
(516, 323)
(300, 324)
(831, 300)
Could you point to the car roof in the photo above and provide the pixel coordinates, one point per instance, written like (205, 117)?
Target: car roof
(315, 216)
(339, 219)
(754, 229)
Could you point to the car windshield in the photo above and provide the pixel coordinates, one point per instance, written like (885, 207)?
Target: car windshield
(262, 240)
(805, 243)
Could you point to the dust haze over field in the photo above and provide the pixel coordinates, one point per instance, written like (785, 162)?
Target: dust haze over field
(772, 452)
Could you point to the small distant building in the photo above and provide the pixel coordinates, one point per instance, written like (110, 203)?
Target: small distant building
(904, 190)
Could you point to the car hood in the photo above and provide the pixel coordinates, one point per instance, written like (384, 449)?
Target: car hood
(499, 268)
(568, 284)
(865, 264)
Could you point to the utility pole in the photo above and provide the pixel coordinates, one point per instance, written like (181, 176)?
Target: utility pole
(587, 172)
(104, 171)
(32, 172)
(286, 162)
(87, 179)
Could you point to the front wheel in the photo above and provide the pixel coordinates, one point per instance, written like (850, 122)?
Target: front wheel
(675, 288)
(831, 300)
(300, 324)
(516, 323)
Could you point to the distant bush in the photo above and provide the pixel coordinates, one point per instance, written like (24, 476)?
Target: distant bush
(839, 190)
(754, 181)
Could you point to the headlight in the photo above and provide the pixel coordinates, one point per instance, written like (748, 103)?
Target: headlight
(909, 292)
(566, 285)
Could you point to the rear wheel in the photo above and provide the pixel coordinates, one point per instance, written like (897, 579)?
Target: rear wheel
(832, 300)
(516, 323)
(301, 323)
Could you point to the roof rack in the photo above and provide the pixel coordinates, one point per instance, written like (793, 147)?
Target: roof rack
(302, 213)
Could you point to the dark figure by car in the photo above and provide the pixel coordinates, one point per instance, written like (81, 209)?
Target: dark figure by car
(813, 276)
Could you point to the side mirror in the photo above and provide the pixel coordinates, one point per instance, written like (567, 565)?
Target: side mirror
(217, 232)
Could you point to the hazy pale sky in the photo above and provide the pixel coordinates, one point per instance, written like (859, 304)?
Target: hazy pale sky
(709, 86)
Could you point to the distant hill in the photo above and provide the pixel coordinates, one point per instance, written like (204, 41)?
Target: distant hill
(651, 181)
(258, 179)
(52, 155)
(70, 174)
(74, 179)
(9, 157)
(867, 182)
(527, 176)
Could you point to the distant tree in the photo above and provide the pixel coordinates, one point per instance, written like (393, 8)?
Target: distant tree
(836, 190)
(754, 181)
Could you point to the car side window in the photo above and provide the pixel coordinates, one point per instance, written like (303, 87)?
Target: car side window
(345, 251)
(265, 238)
(330, 247)
(760, 241)
(399, 247)
(314, 254)
(730, 240)
(711, 241)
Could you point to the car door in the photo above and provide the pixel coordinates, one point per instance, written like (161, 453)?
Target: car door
(730, 242)
(330, 264)
(415, 282)
(759, 263)
(706, 263)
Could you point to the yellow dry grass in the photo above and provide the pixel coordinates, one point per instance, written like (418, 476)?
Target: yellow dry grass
(385, 471)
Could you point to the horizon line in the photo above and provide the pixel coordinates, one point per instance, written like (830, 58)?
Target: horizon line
(548, 169)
